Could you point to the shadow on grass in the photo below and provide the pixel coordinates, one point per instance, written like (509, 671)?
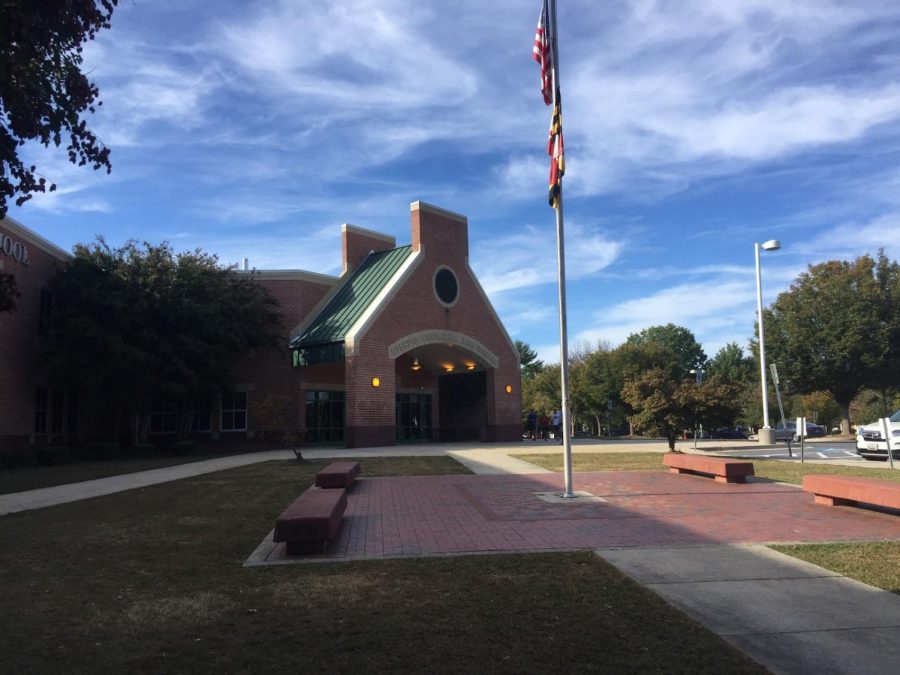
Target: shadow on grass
(151, 580)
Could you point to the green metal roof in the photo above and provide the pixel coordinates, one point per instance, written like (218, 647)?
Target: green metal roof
(355, 296)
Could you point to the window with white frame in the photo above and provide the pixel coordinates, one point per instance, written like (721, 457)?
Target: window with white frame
(234, 411)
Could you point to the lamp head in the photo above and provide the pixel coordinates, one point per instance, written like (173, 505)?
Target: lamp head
(772, 245)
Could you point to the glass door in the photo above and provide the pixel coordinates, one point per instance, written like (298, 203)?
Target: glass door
(413, 417)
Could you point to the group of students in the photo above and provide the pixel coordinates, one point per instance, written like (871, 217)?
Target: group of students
(539, 427)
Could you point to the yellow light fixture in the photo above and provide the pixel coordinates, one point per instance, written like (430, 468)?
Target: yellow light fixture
(470, 366)
(449, 368)
(416, 366)
(376, 382)
(509, 389)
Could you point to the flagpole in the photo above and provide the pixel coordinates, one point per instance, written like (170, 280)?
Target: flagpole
(561, 272)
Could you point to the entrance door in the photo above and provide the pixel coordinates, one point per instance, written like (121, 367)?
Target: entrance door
(413, 417)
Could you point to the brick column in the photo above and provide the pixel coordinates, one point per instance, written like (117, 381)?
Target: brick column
(371, 411)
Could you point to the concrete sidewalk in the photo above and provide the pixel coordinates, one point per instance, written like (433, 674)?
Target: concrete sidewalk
(479, 458)
(789, 615)
(72, 492)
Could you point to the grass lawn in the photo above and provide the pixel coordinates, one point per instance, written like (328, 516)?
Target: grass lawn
(876, 563)
(150, 580)
(785, 472)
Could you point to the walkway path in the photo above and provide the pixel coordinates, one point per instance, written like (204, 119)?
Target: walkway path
(789, 615)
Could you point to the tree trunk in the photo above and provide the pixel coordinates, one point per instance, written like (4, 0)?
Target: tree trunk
(845, 416)
(670, 436)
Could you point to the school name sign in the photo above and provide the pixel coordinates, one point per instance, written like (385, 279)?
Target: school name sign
(12, 248)
(449, 337)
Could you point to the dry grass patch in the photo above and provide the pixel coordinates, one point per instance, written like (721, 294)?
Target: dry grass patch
(876, 563)
(793, 472)
(167, 593)
(598, 461)
(771, 469)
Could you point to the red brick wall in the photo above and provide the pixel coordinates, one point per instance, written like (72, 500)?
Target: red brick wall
(415, 308)
(356, 244)
(271, 371)
(20, 343)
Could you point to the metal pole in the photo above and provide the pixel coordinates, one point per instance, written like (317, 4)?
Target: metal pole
(780, 406)
(561, 272)
(762, 346)
(886, 432)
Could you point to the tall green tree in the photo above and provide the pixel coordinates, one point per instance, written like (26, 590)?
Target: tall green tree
(663, 406)
(836, 329)
(528, 360)
(597, 380)
(685, 352)
(730, 364)
(44, 95)
(135, 323)
(542, 392)
(8, 292)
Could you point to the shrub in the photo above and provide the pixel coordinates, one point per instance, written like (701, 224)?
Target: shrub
(183, 447)
(104, 451)
(141, 450)
(47, 455)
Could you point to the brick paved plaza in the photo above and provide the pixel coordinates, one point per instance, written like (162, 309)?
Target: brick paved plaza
(439, 515)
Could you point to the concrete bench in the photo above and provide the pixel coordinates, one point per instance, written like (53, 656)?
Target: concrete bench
(848, 490)
(722, 469)
(337, 475)
(311, 521)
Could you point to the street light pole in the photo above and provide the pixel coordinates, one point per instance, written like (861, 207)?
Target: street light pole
(698, 378)
(766, 434)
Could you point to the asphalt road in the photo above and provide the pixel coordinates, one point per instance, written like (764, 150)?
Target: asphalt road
(844, 451)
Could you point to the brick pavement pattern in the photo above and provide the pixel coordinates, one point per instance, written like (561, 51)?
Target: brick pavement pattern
(440, 515)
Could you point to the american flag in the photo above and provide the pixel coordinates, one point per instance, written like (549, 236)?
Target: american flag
(541, 53)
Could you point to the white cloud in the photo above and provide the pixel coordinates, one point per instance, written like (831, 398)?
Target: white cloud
(527, 257)
(847, 241)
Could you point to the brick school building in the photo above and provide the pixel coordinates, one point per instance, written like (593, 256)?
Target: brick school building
(403, 346)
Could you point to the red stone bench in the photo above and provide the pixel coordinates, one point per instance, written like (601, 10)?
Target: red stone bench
(338, 475)
(848, 490)
(722, 469)
(311, 520)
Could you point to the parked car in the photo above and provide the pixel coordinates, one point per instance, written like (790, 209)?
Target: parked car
(788, 432)
(870, 444)
(729, 433)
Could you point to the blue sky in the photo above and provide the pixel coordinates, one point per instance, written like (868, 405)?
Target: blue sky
(693, 129)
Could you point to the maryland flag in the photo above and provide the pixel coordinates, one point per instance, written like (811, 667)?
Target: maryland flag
(556, 150)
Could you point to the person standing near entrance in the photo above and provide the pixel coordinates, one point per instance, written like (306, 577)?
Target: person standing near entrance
(532, 425)
(556, 423)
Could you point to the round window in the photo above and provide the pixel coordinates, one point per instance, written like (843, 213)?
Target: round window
(446, 286)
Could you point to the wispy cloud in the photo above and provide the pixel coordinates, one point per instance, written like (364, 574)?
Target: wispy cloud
(527, 257)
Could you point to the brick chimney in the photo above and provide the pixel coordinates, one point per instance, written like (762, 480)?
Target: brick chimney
(439, 230)
(356, 243)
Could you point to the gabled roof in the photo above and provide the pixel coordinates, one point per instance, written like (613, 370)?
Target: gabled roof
(354, 297)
